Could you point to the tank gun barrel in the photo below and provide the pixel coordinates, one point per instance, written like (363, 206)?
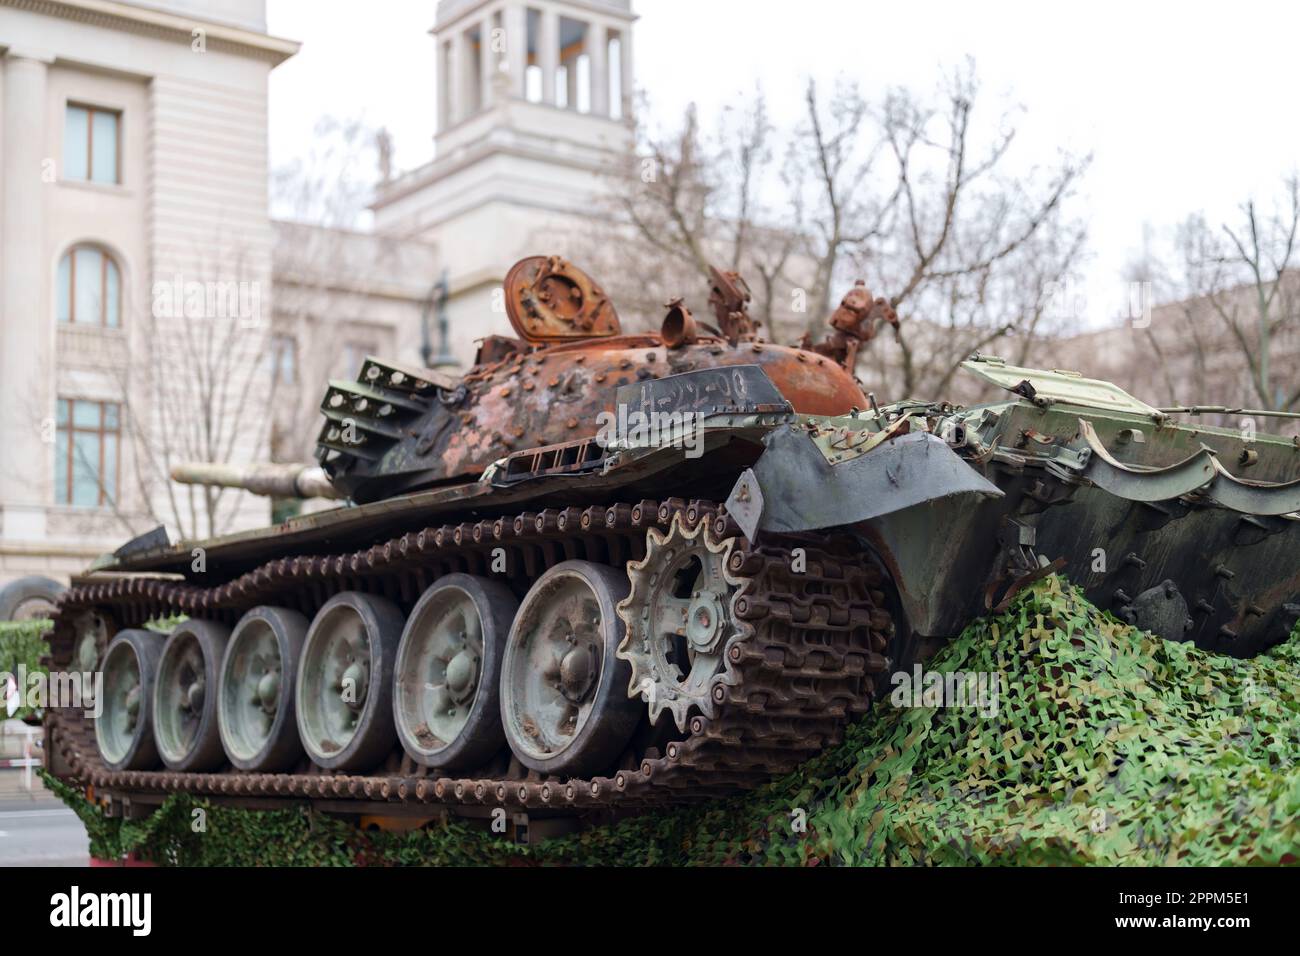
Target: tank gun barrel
(270, 480)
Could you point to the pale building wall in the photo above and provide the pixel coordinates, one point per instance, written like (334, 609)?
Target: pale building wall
(191, 201)
(339, 294)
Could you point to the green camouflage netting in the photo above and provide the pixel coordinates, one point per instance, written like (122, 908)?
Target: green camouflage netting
(1095, 744)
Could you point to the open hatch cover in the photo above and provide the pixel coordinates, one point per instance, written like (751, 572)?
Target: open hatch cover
(1057, 386)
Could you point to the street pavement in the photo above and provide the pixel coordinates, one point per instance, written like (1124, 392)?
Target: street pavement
(36, 829)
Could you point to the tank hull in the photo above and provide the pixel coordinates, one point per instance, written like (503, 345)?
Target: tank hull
(813, 648)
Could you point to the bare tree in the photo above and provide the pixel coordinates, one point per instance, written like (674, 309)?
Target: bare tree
(687, 199)
(208, 391)
(196, 391)
(1226, 330)
(1244, 274)
(332, 184)
(919, 198)
(973, 247)
(321, 199)
(1183, 350)
(841, 144)
(672, 209)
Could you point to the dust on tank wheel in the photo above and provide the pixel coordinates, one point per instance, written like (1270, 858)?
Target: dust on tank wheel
(255, 704)
(91, 631)
(446, 702)
(124, 730)
(678, 618)
(185, 697)
(344, 688)
(564, 701)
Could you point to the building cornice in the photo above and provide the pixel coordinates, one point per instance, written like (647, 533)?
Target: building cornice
(409, 231)
(369, 288)
(471, 7)
(346, 232)
(45, 549)
(30, 53)
(438, 169)
(169, 26)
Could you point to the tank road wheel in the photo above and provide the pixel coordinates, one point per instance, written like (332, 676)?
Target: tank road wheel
(255, 712)
(678, 618)
(185, 697)
(124, 730)
(446, 703)
(91, 631)
(563, 699)
(344, 687)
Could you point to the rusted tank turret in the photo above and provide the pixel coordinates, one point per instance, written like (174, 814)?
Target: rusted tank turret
(399, 429)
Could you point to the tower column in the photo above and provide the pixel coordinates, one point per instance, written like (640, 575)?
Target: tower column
(598, 57)
(627, 82)
(487, 62)
(548, 54)
(26, 324)
(444, 85)
(470, 83)
(516, 25)
(457, 69)
(571, 83)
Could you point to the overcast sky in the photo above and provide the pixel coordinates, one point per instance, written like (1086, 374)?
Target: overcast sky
(1185, 106)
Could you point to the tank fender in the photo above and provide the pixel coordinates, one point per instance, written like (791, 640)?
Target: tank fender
(1202, 473)
(792, 487)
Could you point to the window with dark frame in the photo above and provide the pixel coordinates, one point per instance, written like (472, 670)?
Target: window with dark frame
(87, 444)
(92, 144)
(89, 288)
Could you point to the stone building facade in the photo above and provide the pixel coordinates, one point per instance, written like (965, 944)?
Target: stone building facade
(133, 164)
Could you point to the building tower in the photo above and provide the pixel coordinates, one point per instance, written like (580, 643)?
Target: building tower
(534, 101)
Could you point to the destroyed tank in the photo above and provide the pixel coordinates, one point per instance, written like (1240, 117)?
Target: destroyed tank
(604, 572)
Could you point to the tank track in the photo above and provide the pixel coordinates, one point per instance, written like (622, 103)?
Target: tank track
(799, 666)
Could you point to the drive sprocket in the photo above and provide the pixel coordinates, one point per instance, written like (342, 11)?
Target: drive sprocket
(679, 619)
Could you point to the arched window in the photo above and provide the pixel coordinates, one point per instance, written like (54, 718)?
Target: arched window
(90, 288)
